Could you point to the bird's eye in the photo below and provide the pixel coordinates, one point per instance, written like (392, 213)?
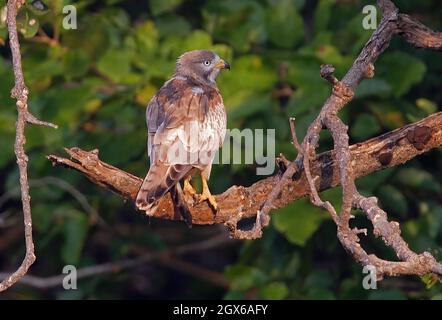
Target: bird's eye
(207, 63)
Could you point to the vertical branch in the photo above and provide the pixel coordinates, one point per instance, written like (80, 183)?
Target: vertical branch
(20, 93)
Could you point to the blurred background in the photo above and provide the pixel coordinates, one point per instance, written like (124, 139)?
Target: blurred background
(95, 82)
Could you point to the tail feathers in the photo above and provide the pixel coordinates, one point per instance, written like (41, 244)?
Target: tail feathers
(159, 180)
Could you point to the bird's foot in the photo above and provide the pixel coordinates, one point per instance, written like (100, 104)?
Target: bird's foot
(188, 189)
(206, 195)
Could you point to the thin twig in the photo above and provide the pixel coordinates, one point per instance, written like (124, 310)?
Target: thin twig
(20, 93)
(129, 263)
(305, 152)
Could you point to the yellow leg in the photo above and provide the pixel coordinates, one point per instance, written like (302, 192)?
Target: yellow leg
(206, 195)
(188, 187)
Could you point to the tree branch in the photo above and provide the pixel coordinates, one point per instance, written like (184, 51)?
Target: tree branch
(388, 150)
(20, 93)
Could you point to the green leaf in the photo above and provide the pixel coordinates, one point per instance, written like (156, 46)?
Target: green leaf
(402, 71)
(391, 114)
(66, 106)
(75, 232)
(298, 221)
(116, 64)
(284, 24)
(122, 148)
(198, 39)
(173, 25)
(274, 291)
(430, 279)
(243, 277)
(327, 53)
(365, 126)
(418, 179)
(319, 279)
(252, 105)
(75, 64)
(96, 27)
(27, 24)
(393, 200)
(323, 13)
(37, 69)
(242, 87)
(320, 294)
(427, 105)
(239, 23)
(370, 182)
(147, 38)
(373, 87)
(434, 221)
(311, 92)
(161, 6)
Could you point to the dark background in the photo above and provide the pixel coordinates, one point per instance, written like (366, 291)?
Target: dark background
(95, 82)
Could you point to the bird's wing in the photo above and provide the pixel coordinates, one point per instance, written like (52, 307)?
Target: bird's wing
(189, 127)
(180, 136)
(154, 118)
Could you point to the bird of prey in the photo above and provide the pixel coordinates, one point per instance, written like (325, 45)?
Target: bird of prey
(186, 123)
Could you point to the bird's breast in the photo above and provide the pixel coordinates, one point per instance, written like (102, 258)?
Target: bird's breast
(216, 122)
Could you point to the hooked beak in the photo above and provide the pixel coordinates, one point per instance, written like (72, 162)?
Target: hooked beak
(221, 64)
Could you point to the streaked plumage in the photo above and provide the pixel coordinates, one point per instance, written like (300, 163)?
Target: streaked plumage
(186, 123)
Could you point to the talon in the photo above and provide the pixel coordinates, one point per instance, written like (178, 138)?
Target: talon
(206, 195)
(188, 189)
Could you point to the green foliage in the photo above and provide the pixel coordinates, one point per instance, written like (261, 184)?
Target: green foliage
(297, 221)
(27, 24)
(418, 179)
(75, 232)
(284, 24)
(95, 82)
(403, 72)
(243, 278)
(365, 126)
(161, 6)
(274, 291)
(392, 200)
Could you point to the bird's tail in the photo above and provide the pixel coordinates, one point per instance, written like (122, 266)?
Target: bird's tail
(159, 180)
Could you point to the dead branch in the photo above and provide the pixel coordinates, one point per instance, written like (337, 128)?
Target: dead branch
(20, 93)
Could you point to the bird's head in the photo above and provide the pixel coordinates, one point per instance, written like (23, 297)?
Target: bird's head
(202, 65)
